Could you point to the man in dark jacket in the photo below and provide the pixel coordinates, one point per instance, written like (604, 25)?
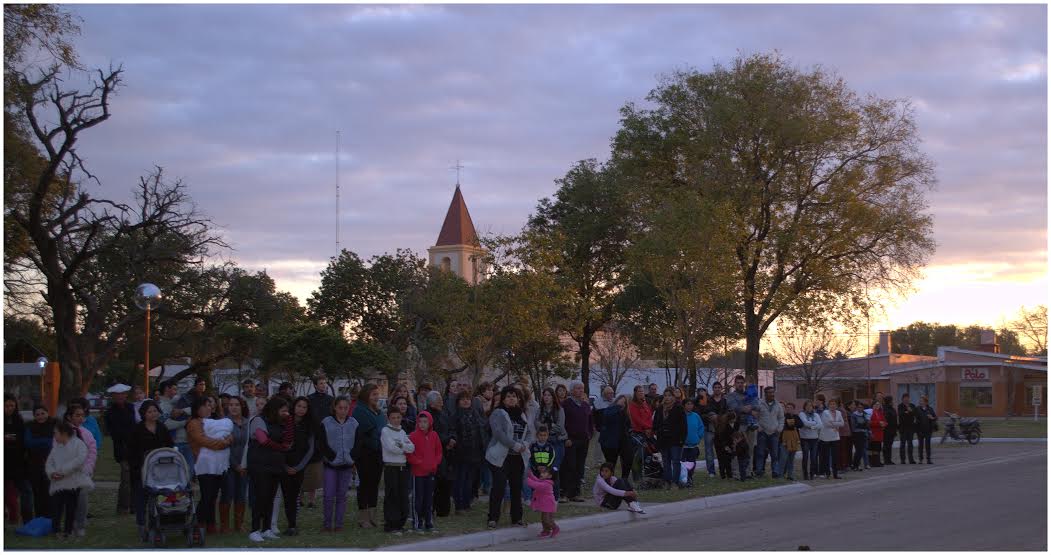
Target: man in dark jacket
(906, 428)
(442, 483)
(710, 410)
(120, 422)
(890, 430)
(580, 425)
(320, 407)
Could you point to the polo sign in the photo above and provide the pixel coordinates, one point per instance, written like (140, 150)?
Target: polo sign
(975, 374)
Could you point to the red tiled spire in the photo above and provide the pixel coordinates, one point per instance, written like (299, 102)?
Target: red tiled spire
(458, 228)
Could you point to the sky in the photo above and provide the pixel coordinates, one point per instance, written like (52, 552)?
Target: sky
(243, 103)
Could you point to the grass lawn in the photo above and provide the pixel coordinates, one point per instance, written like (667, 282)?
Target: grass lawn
(1018, 426)
(108, 531)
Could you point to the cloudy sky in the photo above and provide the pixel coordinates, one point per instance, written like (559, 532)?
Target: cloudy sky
(244, 102)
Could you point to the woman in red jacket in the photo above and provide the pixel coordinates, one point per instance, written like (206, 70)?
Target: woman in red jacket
(876, 424)
(640, 412)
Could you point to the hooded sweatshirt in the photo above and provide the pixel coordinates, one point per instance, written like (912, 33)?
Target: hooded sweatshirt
(427, 453)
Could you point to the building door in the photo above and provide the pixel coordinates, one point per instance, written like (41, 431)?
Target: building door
(915, 390)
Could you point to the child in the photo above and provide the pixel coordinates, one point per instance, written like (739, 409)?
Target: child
(542, 453)
(396, 476)
(752, 398)
(65, 468)
(543, 498)
(337, 442)
(610, 491)
(694, 437)
(724, 430)
(425, 458)
(740, 449)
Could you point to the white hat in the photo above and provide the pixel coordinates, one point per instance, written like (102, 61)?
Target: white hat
(119, 388)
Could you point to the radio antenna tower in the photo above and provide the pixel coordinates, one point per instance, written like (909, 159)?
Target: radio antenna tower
(337, 194)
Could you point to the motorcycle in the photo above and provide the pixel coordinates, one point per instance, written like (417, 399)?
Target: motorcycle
(962, 429)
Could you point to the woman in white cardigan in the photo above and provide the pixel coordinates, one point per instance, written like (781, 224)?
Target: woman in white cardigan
(809, 428)
(831, 420)
(65, 469)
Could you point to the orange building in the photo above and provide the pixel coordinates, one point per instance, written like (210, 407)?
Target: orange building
(980, 382)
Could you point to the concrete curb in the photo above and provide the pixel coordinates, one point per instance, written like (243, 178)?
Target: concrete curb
(480, 540)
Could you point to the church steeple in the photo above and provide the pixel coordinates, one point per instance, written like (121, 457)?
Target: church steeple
(458, 228)
(458, 249)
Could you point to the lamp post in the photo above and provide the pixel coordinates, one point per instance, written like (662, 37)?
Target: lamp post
(147, 296)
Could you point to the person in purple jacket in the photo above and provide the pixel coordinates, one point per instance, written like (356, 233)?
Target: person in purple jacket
(579, 428)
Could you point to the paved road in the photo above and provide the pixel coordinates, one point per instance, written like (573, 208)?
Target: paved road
(990, 497)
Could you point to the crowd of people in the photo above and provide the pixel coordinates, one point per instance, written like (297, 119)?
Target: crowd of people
(434, 453)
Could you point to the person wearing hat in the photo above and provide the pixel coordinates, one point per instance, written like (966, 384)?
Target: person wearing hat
(120, 421)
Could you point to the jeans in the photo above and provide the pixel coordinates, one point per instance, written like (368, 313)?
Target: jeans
(672, 459)
(830, 454)
(924, 441)
(187, 453)
(423, 501)
(612, 502)
(709, 452)
(63, 504)
(865, 451)
(80, 521)
(859, 450)
(767, 444)
(906, 439)
(485, 477)
(466, 473)
(810, 458)
(138, 499)
(234, 488)
(512, 472)
(787, 462)
(336, 484)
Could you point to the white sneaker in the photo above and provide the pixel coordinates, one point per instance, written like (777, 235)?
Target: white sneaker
(271, 535)
(256, 537)
(636, 508)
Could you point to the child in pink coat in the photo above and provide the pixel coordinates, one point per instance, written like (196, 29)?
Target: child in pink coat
(544, 500)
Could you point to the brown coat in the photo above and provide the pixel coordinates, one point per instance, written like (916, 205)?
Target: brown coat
(790, 435)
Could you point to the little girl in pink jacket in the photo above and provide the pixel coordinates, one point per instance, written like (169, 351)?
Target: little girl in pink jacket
(544, 500)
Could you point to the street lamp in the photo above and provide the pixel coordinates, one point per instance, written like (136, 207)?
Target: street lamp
(147, 296)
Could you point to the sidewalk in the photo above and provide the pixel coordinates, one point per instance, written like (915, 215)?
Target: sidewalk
(489, 538)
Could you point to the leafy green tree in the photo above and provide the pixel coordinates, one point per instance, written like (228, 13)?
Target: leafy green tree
(685, 261)
(579, 236)
(825, 189)
(370, 301)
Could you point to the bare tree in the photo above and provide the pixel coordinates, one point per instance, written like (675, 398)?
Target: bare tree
(813, 355)
(1032, 325)
(617, 355)
(85, 255)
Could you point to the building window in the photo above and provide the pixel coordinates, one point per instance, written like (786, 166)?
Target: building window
(447, 264)
(1029, 389)
(976, 395)
(802, 391)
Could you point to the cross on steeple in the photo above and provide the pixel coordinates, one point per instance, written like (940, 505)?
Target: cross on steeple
(457, 167)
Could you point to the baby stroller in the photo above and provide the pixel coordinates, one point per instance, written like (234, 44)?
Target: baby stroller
(169, 499)
(648, 468)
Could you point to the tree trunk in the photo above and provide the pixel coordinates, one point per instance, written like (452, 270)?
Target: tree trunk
(751, 350)
(585, 358)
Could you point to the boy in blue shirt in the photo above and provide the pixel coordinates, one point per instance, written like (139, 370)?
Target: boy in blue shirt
(694, 437)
